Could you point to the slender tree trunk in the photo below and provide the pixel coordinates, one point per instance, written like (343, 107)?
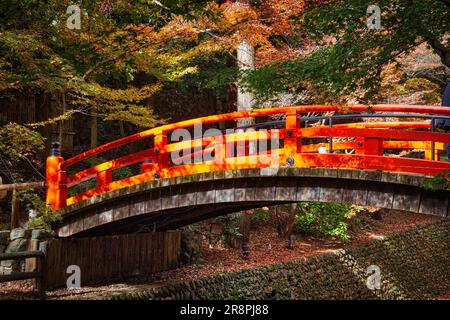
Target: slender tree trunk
(94, 132)
(122, 129)
(246, 60)
(61, 123)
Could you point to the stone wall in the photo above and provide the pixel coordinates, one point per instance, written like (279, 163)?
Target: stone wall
(414, 264)
(18, 240)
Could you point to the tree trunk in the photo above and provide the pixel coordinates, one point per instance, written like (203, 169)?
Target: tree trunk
(440, 49)
(94, 132)
(246, 60)
(285, 215)
(122, 129)
(61, 123)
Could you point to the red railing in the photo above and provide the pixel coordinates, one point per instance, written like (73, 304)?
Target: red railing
(231, 151)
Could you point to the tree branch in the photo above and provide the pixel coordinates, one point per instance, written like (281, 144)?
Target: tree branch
(440, 49)
(99, 64)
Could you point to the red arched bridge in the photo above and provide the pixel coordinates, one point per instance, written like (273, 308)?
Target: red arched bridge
(197, 169)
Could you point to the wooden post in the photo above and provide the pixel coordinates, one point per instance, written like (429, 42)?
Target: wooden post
(104, 178)
(162, 161)
(291, 145)
(15, 203)
(42, 269)
(56, 179)
(147, 166)
(15, 210)
(373, 146)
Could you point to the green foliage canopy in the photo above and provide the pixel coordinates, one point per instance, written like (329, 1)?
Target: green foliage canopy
(349, 57)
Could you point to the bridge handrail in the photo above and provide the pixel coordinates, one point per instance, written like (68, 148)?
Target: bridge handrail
(254, 113)
(58, 182)
(178, 146)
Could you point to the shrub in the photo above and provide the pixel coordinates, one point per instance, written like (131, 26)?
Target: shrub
(261, 214)
(330, 219)
(439, 182)
(29, 199)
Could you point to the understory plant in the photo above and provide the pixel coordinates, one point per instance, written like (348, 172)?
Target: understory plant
(440, 181)
(329, 219)
(43, 216)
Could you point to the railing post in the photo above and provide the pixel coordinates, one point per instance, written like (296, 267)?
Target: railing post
(373, 146)
(104, 178)
(330, 142)
(291, 142)
(147, 166)
(433, 147)
(56, 179)
(162, 160)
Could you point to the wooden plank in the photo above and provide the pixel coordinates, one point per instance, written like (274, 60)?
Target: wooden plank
(166, 250)
(137, 252)
(286, 189)
(114, 255)
(265, 189)
(307, 190)
(406, 198)
(354, 192)
(160, 260)
(186, 197)
(380, 195)
(150, 248)
(206, 193)
(434, 202)
(244, 190)
(224, 191)
(105, 217)
(60, 258)
(154, 202)
(330, 191)
(31, 263)
(154, 253)
(104, 258)
(121, 211)
(169, 197)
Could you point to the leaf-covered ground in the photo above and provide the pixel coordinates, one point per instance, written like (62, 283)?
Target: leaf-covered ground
(266, 248)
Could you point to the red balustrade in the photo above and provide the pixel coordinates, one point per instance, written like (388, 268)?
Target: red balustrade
(368, 140)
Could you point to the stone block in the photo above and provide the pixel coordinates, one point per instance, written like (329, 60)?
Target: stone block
(41, 234)
(16, 245)
(19, 233)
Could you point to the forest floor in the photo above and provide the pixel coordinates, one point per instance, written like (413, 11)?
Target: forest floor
(266, 248)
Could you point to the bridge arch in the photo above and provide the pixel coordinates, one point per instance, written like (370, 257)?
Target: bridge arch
(294, 168)
(172, 203)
